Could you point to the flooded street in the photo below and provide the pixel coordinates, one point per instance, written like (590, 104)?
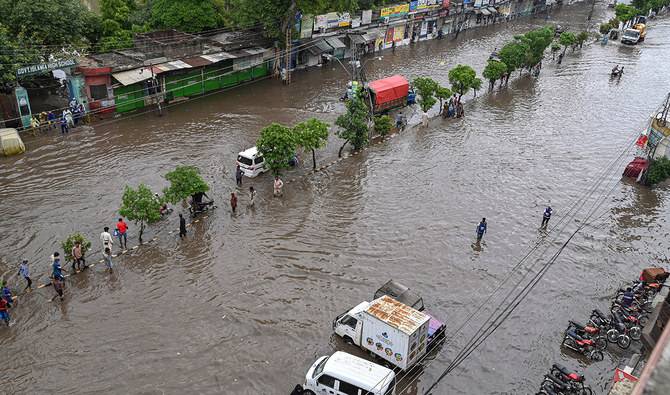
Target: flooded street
(245, 304)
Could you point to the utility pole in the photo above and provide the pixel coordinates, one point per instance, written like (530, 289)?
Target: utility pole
(288, 55)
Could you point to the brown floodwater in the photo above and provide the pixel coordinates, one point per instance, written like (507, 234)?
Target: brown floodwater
(244, 304)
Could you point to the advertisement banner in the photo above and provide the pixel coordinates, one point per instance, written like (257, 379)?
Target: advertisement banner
(333, 19)
(321, 22)
(366, 18)
(344, 19)
(395, 11)
(389, 35)
(413, 5)
(306, 26)
(485, 3)
(478, 3)
(446, 3)
(399, 33)
(355, 22)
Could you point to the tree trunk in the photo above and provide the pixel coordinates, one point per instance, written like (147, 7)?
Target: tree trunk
(313, 159)
(565, 49)
(141, 230)
(339, 154)
(441, 107)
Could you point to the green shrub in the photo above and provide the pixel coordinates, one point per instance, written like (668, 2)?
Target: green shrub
(69, 243)
(659, 170)
(383, 125)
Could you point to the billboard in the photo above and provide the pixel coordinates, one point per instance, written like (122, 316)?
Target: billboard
(395, 11)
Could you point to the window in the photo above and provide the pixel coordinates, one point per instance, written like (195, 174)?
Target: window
(244, 160)
(391, 387)
(349, 321)
(98, 92)
(259, 160)
(319, 367)
(348, 389)
(327, 381)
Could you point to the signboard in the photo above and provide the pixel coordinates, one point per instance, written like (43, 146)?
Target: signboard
(321, 22)
(389, 35)
(355, 22)
(366, 18)
(412, 5)
(306, 26)
(344, 19)
(45, 67)
(478, 3)
(395, 11)
(446, 3)
(485, 3)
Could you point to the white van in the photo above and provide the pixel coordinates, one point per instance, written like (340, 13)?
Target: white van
(251, 162)
(346, 374)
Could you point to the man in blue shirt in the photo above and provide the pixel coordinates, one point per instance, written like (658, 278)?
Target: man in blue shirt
(481, 229)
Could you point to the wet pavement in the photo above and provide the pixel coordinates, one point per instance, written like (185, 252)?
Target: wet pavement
(245, 304)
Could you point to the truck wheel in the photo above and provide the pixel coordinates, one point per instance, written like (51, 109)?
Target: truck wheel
(308, 392)
(348, 340)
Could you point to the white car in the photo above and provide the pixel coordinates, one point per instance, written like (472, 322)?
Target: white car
(251, 162)
(346, 374)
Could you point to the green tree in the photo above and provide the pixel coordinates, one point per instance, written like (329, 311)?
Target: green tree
(277, 144)
(186, 15)
(184, 182)
(462, 79)
(581, 38)
(71, 240)
(12, 56)
(536, 42)
(383, 125)
(514, 57)
(495, 70)
(353, 125)
(555, 47)
(659, 170)
(426, 88)
(624, 12)
(312, 134)
(140, 206)
(53, 25)
(567, 39)
(442, 93)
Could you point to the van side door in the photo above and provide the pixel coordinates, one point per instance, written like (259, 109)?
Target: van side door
(326, 385)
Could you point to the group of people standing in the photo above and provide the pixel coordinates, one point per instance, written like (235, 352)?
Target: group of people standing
(453, 108)
(483, 225)
(70, 117)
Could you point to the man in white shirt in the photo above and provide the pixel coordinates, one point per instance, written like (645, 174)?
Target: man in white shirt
(106, 239)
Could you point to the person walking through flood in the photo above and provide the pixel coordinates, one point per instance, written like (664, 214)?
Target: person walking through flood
(546, 216)
(78, 261)
(4, 313)
(24, 271)
(238, 176)
(106, 239)
(7, 294)
(481, 229)
(57, 276)
(252, 196)
(182, 226)
(233, 201)
(107, 256)
(278, 185)
(63, 126)
(122, 226)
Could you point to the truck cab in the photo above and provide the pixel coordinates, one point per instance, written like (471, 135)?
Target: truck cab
(349, 325)
(630, 36)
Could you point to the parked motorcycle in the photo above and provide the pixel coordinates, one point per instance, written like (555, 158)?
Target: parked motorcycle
(584, 346)
(591, 332)
(575, 379)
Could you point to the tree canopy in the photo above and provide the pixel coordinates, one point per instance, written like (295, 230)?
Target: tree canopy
(186, 15)
(495, 70)
(442, 93)
(625, 12)
(312, 134)
(277, 144)
(140, 206)
(426, 88)
(184, 182)
(353, 124)
(513, 55)
(463, 78)
(567, 39)
(71, 240)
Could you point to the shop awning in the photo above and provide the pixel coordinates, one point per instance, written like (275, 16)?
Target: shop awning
(370, 36)
(133, 76)
(335, 42)
(356, 39)
(485, 12)
(492, 10)
(219, 56)
(318, 47)
(171, 66)
(478, 11)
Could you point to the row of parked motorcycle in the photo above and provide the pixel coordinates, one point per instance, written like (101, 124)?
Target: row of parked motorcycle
(628, 314)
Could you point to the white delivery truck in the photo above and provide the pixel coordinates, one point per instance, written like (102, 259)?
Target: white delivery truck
(387, 328)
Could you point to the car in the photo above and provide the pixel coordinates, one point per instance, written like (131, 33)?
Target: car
(346, 374)
(251, 162)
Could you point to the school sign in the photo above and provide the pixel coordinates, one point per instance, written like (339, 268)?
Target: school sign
(45, 67)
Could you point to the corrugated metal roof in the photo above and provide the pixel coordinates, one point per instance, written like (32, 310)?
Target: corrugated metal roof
(198, 61)
(255, 51)
(357, 39)
(398, 315)
(372, 35)
(171, 66)
(130, 77)
(335, 42)
(217, 57)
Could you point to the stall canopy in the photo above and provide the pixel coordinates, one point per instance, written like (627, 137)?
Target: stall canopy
(485, 12)
(371, 35)
(389, 89)
(492, 10)
(335, 42)
(357, 39)
(318, 47)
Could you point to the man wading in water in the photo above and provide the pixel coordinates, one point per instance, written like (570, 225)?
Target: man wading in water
(481, 229)
(57, 276)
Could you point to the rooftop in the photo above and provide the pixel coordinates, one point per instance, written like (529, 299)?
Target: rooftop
(398, 315)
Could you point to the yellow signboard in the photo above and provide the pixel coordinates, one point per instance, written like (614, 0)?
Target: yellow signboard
(397, 10)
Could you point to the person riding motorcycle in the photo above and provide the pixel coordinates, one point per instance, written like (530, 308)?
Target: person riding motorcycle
(198, 204)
